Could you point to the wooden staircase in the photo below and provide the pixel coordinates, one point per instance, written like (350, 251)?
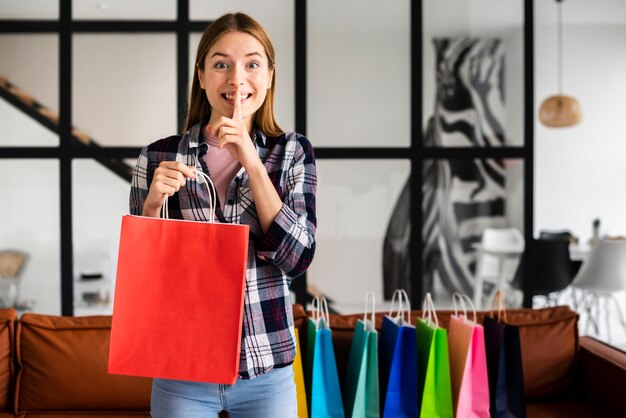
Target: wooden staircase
(42, 114)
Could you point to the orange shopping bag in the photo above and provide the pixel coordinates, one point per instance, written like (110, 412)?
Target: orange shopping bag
(178, 303)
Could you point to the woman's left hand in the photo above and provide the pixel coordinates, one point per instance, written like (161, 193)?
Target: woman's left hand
(232, 133)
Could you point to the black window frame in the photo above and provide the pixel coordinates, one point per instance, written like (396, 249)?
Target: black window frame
(182, 26)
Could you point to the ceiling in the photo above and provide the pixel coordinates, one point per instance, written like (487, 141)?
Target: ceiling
(574, 11)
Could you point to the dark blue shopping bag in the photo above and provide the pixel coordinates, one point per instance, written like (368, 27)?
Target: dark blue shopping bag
(401, 392)
(398, 360)
(386, 350)
(504, 367)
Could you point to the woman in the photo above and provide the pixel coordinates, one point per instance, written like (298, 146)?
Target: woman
(265, 178)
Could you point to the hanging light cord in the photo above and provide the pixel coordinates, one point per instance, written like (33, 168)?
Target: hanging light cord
(560, 47)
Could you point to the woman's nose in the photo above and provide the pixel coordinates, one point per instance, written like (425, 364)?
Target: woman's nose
(236, 76)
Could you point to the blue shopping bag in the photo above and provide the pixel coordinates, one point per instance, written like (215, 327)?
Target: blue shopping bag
(401, 397)
(398, 360)
(325, 398)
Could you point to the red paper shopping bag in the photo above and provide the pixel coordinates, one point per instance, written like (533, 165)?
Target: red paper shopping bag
(178, 304)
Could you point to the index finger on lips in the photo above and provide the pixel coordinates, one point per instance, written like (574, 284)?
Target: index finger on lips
(237, 115)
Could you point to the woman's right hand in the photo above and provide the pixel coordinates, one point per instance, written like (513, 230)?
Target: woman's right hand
(168, 178)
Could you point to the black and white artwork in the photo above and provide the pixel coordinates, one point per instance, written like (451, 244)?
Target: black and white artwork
(460, 197)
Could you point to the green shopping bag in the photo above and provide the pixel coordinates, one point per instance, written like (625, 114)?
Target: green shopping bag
(433, 365)
(361, 394)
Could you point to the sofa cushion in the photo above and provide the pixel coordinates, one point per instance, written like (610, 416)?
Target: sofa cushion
(62, 365)
(549, 342)
(7, 330)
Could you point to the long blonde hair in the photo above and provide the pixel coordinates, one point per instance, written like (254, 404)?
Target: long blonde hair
(199, 107)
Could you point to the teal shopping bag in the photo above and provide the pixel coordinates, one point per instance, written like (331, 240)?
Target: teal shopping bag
(361, 391)
(435, 395)
(325, 395)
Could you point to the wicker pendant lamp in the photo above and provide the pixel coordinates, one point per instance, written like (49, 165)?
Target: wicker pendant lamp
(560, 111)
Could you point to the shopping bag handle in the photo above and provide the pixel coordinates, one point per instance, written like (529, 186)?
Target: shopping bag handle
(320, 312)
(370, 300)
(498, 300)
(165, 213)
(462, 298)
(456, 296)
(401, 296)
(429, 307)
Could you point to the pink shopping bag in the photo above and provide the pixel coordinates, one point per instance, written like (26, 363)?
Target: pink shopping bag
(468, 368)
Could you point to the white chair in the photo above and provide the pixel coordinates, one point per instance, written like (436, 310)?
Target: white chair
(498, 254)
(602, 275)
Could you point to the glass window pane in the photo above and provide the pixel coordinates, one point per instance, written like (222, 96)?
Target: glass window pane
(278, 21)
(124, 88)
(30, 95)
(355, 200)
(100, 201)
(194, 40)
(473, 72)
(30, 9)
(358, 73)
(124, 10)
(31, 226)
(461, 199)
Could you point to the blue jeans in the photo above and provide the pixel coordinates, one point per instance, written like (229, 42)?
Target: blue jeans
(270, 395)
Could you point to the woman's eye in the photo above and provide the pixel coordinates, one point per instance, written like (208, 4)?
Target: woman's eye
(253, 65)
(220, 65)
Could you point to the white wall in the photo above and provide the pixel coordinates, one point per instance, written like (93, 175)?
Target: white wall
(580, 172)
(29, 216)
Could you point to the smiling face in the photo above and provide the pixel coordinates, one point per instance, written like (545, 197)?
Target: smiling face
(235, 59)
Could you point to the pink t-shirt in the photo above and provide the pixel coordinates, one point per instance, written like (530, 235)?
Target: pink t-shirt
(221, 164)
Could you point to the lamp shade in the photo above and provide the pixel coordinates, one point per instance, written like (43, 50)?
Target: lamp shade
(560, 111)
(604, 271)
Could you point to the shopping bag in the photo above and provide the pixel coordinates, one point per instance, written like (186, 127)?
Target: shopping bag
(398, 361)
(388, 336)
(361, 392)
(177, 315)
(504, 365)
(468, 364)
(298, 374)
(325, 391)
(435, 394)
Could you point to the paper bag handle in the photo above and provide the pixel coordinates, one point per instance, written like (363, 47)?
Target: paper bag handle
(370, 300)
(429, 307)
(498, 300)
(462, 300)
(165, 213)
(403, 310)
(320, 311)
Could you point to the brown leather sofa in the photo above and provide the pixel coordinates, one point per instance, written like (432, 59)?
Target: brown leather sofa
(53, 366)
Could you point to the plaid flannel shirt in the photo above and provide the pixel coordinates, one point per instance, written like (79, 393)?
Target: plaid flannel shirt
(274, 258)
